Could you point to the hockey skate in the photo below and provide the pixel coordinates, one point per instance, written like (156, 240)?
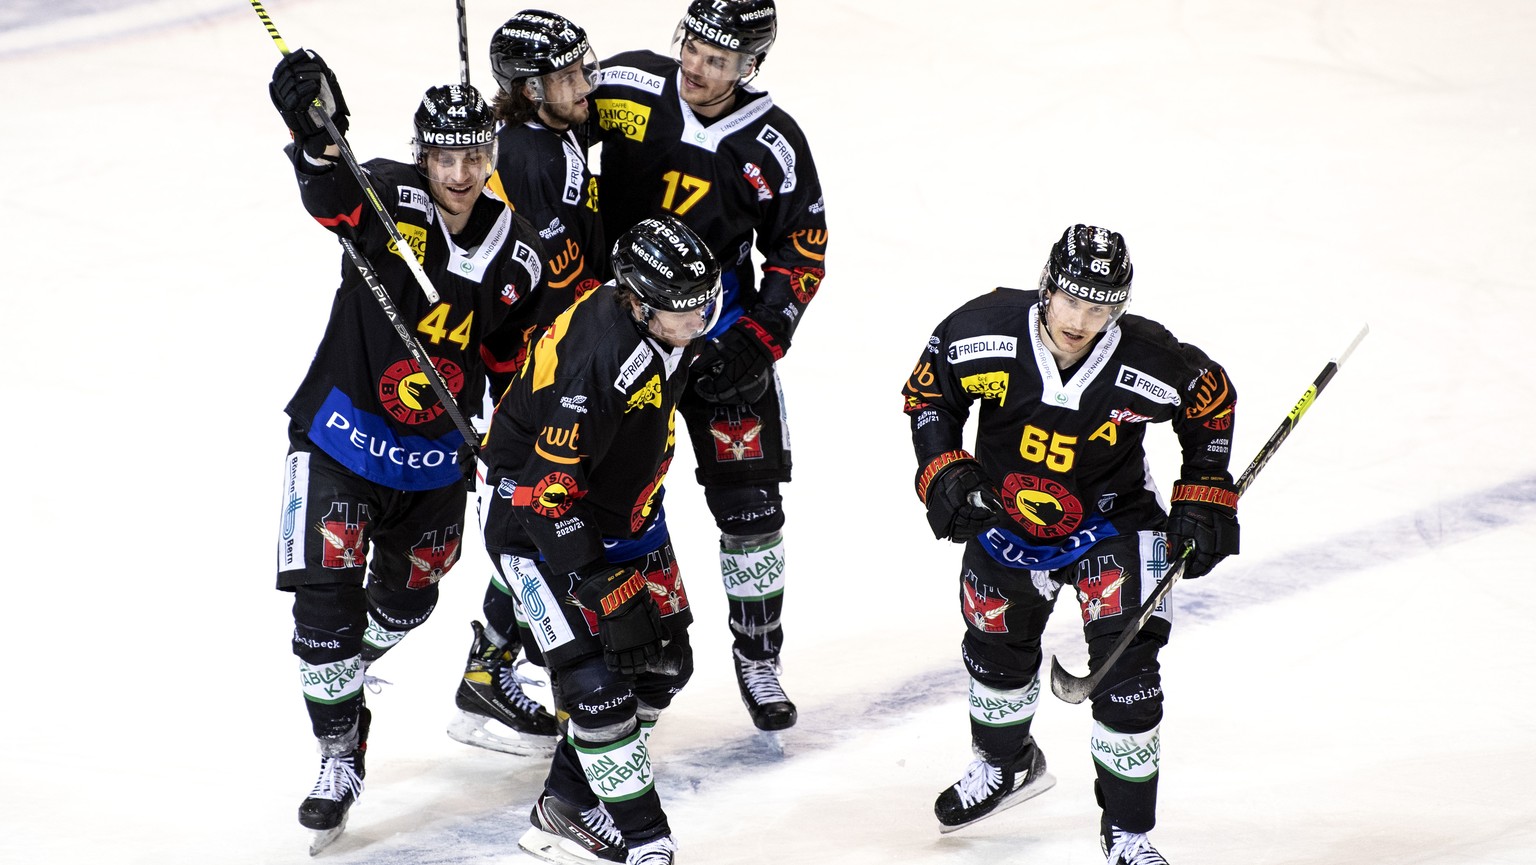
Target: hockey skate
(563, 833)
(492, 691)
(988, 788)
(661, 851)
(339, 785)
(762, 694)
(1127, 848)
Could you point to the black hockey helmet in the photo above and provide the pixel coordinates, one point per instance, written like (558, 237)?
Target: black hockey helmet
(747, 27)
(1092, 264)
(534, 43)
(670, 269)
(454, 117)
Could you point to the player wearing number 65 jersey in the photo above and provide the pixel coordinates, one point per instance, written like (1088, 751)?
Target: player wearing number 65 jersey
(686, 135)
(1058, 495)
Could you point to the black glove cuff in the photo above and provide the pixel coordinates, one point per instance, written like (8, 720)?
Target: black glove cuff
(608, 591)
(1210, 491)
(936, 466)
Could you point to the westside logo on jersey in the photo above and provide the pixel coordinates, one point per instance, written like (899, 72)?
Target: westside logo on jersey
(1135, 380)
(979, 347)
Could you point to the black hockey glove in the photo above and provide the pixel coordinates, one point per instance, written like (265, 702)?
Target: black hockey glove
(627, 620)
(961, 501)
(1204, 511)
(299, 79)
(736, 367)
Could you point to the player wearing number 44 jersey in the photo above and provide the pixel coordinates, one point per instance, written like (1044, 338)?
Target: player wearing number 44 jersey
(686, 135)
(373, 499)
(1058, 496)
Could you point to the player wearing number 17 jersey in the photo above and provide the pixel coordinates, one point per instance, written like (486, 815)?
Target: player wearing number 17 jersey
(1058, 495)
(686, 135)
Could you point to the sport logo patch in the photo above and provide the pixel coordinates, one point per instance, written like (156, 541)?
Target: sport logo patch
(1135, 380)
(754, 176)
(978, 347)
(987, 385)
(554, 494)
(1044, 507)
(406, 393)
(430, 560)
(738, 434)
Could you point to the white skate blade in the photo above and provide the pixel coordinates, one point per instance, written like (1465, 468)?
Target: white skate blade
(773, 740)
(552, 848)
(323, 838)
(1041, 783)
(472, 729)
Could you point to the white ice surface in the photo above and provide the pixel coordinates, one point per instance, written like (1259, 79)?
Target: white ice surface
(1355, 688)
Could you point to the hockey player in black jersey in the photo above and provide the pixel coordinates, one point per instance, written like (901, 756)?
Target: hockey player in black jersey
(1058, 496)
(686, 135)
(374, 492)
(544, 68)
(578, 450)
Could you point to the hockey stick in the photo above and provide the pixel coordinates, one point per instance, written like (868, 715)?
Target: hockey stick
(317, 111)
(444, 395)
(463, 47)
(1076, 689)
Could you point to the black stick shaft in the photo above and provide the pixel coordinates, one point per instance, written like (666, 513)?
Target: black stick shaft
(444, 395)
(1075, 689)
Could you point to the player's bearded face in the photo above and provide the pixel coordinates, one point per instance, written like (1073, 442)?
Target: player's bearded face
(562, 95)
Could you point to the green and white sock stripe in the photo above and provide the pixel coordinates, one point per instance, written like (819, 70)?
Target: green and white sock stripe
(1131, 756)
(619, 770)
(753, 573)
(335, 682)
(995, 708)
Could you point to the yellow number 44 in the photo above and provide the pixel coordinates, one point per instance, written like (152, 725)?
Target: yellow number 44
(435, 326)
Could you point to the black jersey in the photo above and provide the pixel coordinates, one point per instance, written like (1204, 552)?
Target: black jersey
(747, 173)
(364, 401)
(584, 435)
(543, 175)
(1065, 447)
